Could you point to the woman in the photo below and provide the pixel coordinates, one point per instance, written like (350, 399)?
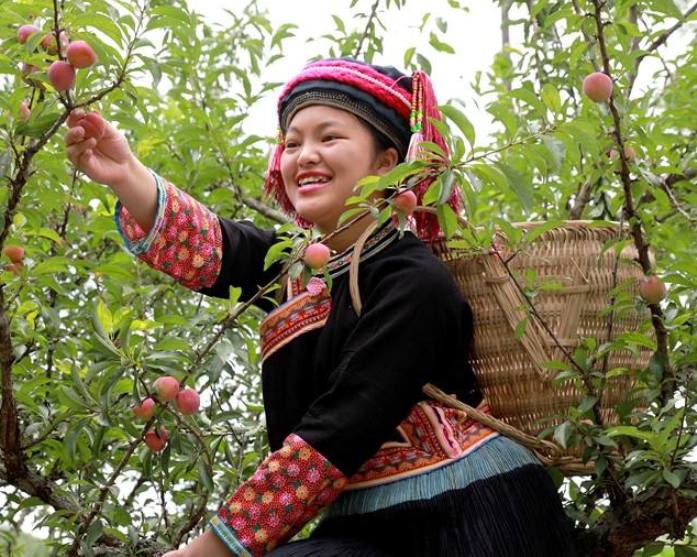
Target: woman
(350, 430)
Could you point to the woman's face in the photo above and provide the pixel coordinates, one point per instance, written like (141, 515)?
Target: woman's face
(327, 151)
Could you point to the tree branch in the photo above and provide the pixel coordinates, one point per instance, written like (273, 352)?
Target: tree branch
(661, 40)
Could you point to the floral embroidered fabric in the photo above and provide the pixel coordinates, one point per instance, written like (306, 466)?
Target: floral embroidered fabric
(288, 490)
(304, 311)
(433, 435)
(185, 240)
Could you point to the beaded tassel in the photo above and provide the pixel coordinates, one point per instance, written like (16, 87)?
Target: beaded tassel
(424, 107)
(416, 119)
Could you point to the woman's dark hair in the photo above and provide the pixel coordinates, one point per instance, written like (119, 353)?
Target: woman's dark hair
(382, 142)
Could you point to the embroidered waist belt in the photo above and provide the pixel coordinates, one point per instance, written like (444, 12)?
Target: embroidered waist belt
(433, 435)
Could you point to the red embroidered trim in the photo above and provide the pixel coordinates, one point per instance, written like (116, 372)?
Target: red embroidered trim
(288, 489)
(298, 315)
(433, 435)
(189, 245)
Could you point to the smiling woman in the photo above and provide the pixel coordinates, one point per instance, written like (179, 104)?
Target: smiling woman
(350, 430)
(327, 150)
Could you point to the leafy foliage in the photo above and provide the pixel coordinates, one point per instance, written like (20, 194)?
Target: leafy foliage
(85, 329)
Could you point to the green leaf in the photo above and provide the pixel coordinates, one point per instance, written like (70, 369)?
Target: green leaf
(551, 98)
(447, 220)
(587, 403)
(277, 251)
(672, 478)
(101, 23)
(104, 318)
(530, 98)
(461, 121)
(562, 434)
(440, 46)
(519, 185)
(630, 431)
(684, 551)
(408, 55)
(204, 475)
(448, 179)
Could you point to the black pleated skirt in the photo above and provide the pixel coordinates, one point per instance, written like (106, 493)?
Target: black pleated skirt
(517, 513)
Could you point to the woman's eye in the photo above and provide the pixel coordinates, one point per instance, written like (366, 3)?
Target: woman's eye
(329, 137)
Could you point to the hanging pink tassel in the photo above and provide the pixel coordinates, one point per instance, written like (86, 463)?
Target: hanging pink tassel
(425, 108)
(273, 181)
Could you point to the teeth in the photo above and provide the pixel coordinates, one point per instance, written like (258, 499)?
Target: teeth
(313, 180)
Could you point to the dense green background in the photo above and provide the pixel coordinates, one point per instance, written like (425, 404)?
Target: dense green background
(85, 328)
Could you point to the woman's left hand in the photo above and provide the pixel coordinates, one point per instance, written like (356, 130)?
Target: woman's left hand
(206, 545)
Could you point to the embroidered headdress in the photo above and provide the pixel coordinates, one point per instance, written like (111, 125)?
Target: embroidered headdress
(398, 106)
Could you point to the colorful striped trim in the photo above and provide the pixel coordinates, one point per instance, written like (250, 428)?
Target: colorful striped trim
(495, 455)
(138, 242)
(297, 316)
(358, 75)
(379, 240)
(227, 536)
(432, 436)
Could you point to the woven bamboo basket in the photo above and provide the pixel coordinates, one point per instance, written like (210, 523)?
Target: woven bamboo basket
(511, 368)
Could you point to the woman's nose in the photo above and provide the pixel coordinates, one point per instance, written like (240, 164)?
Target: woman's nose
(308, 154)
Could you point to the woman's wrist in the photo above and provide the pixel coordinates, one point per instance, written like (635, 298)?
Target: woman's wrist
(135, 175)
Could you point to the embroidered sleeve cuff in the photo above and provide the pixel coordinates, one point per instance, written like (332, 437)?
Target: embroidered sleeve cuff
(185, 240)
(288, 490)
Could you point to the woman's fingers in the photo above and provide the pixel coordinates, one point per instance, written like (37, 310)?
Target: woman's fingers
(77, 150)
(74, 135)
(75, 116)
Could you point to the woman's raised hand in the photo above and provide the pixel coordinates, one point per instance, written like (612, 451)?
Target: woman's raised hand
(98, 149)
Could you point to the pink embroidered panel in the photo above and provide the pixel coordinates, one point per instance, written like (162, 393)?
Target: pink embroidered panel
(288, 490)
(185, 241)
(433, 435)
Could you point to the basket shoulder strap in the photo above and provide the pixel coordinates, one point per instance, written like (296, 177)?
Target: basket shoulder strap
(353, 269)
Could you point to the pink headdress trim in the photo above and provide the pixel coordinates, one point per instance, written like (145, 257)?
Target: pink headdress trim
(419, 107)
